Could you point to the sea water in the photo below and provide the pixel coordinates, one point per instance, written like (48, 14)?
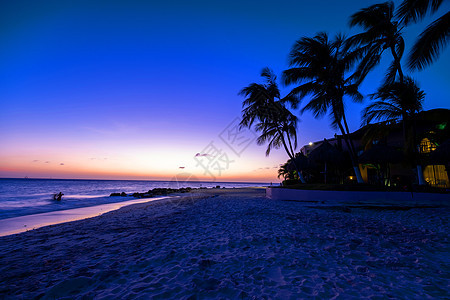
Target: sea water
(20, 197)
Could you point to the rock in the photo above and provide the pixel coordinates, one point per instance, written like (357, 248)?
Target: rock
(156, 192)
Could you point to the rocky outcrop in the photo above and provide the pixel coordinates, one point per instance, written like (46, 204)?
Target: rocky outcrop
(155, 192)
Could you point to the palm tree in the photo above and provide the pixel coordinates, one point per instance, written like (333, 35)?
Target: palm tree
(320, 66)
(278, 129)
(278, 126)
(382, 32)
(433, 39)
(398, 101)
(285, 171)
(259, 99)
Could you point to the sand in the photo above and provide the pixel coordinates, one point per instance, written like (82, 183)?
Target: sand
(230, 244)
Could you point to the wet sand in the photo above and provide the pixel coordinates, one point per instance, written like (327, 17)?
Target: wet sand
(30, 222)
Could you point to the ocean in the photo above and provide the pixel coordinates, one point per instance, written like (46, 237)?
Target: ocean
(20, 197)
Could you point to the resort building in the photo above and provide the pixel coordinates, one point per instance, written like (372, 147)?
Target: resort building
(429, 130)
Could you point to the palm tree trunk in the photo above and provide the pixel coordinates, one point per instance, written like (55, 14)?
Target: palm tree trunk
(404, 118)
(415, 153)
(400, 77)
(352, 155)
(284, 144)
(291, 155)
(348, 135)
(397, 62)
(290, 144)
(300, 175)
(410, 149)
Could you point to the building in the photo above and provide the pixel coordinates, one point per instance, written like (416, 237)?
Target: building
(429, 130)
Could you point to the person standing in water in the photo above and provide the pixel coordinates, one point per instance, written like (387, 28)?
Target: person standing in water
(58, 196)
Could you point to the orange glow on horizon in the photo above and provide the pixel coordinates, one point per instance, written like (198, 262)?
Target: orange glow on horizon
(263, 177)
(134, 163)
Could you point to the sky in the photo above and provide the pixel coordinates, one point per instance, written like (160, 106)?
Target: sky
(149, 89)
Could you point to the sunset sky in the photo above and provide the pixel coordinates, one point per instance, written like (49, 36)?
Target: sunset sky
(135, 89)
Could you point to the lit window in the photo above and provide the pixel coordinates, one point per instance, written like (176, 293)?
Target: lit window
(426, 146)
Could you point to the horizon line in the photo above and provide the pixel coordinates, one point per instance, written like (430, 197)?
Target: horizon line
(40, 178)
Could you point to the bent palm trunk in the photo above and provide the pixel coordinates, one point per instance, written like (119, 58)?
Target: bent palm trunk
(291, 156)
(352, 155)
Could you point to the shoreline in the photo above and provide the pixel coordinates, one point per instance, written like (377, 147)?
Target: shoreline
(16, 225)
(21, 197)
(232, 243)
(26, 223)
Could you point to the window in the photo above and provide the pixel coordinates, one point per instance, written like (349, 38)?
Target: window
(426, 146)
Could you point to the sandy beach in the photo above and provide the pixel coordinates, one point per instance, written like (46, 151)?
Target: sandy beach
(231, 244)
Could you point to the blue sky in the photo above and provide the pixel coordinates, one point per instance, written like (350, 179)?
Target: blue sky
(134, 89)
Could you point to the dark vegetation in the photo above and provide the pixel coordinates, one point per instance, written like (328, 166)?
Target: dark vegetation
(326, 72)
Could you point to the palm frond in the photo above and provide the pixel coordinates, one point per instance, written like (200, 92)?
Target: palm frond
(353, 93)
(297, 75)
(293, 99)
(370, 17)
(391, 73)
(269, 75)
(380, 110)
(353, 55)
(397, 100)
(412, 11)
(430, 43)
(309, 88)
(370, 60)
(318, 105)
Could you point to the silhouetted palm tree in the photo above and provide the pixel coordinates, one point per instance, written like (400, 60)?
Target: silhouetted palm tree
(382, 32)
(260, 99)
(398, 101)
(278, 126)
(285, 171)
(321, 68)
(278, 130)
(433, 39)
